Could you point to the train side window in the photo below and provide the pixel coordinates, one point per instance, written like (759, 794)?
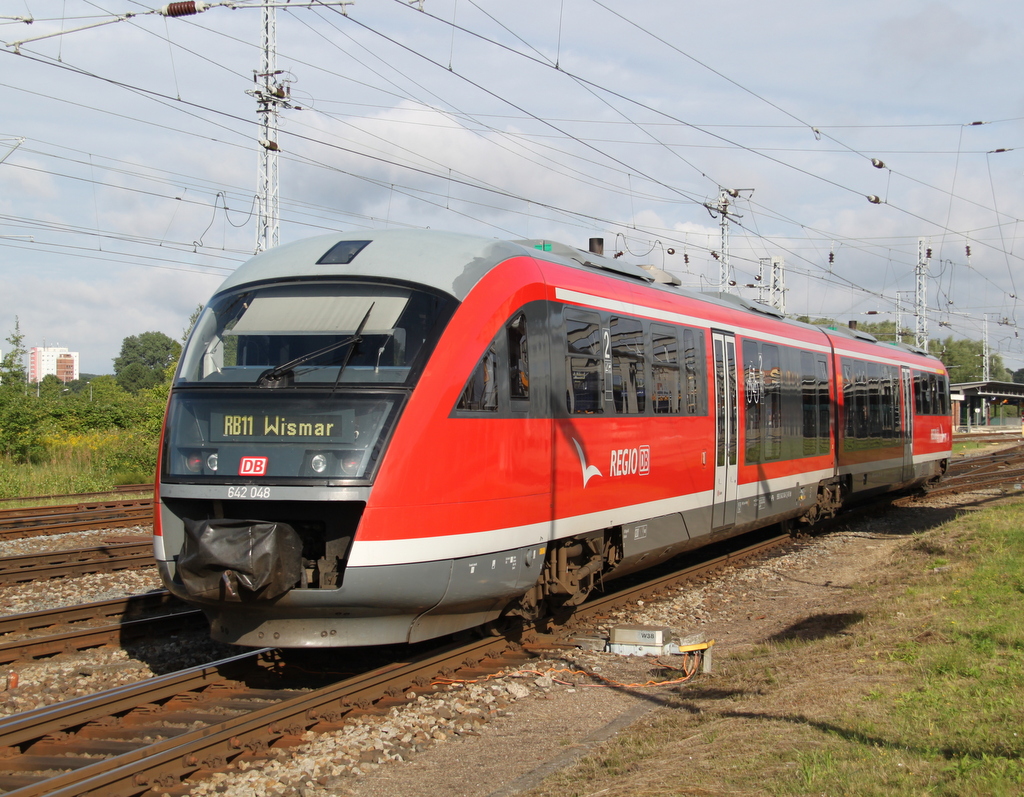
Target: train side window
(584, 364)
(926, 394)
(824, 409)
(874, 397)
(753, 395)
(860, 398)
(628, 365)
(919, 394)
(518, 360)
(809, 392)
(943, 383)
(693, 360)
(665, 370)
(772, 412)
(481, 391)
(886, 401)
(849, 410)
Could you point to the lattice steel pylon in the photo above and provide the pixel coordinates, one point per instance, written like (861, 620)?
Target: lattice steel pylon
(921, 297)
(268, 96)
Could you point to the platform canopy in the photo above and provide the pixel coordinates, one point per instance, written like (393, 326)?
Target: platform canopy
(988, 390)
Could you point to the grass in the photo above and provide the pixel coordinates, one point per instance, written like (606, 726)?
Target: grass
(967, 446)
(85, 463)
(921, 695)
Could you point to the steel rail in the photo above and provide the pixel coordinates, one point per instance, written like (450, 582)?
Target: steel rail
(20, 728)
(651, 588)
(50, 520)
(115, 622)
(129, 608)
(75, 561)
(970, 482)
(119, 633)
(167, 762)
(42, 514)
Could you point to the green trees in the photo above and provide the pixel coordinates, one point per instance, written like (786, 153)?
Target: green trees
(85, 435)
(965, 360)
(12, 366)
(145, 360)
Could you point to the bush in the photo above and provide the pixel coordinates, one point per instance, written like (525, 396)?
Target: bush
(69, 442)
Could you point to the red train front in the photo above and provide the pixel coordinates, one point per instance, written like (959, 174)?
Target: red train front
(386, 437)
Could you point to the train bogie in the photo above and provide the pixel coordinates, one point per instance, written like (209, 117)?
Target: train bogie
(443, 430)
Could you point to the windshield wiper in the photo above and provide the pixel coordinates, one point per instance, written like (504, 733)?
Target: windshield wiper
(272, 376)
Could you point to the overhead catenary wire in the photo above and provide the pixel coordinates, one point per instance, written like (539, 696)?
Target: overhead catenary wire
(524, 199)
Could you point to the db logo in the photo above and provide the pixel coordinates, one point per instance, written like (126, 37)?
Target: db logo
(253, 466)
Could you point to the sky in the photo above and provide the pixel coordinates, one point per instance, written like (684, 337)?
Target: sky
(854, 135)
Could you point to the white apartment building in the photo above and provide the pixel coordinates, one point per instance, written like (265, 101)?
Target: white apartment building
(56, 360)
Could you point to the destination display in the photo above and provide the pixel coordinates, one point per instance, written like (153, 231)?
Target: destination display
(336, 427)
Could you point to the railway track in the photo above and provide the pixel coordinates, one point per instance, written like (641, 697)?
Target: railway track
(45, 520)
(158, 733)
(164, 732)
(1005, 467)
(75, 562)
(36, 635)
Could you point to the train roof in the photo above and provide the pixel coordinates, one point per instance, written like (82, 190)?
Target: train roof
(454, 263)
(449, 262)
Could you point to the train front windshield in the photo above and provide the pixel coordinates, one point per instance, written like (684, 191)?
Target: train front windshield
(298, 381)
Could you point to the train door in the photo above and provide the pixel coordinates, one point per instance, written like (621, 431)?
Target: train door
(724, 506)
(907, 380)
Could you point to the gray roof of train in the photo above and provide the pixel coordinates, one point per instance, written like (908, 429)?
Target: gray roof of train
(449, 262)
(453, 263)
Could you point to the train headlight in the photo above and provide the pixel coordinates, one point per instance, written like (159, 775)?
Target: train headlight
(318, 463)
(194, 461)
(350, 462)
(211, 462)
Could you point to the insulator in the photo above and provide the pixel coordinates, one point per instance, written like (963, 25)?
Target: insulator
(928, 253)
(670, 251)
(831, 257)
(968, 250)
(186, 8)
(877, 163)
(715, 255)
(686, 258)
(873, 199)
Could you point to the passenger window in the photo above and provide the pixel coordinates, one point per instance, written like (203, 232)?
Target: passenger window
(665, 370)
(518, 359)
(584, 364)
(628, 365)
(480, 393)
(824, 409)
(693, 351)
(753, 393)
(809, 392)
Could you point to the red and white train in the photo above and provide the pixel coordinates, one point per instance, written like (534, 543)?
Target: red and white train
(389, 436)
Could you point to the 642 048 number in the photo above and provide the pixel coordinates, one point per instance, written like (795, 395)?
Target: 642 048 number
(248, 491)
